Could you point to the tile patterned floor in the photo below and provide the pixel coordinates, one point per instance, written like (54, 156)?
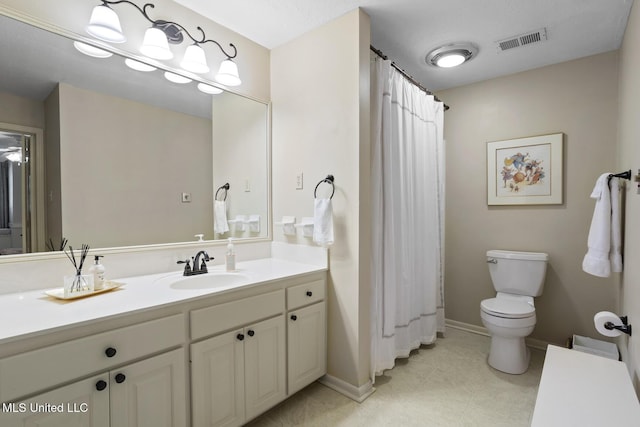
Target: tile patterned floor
(445, 384)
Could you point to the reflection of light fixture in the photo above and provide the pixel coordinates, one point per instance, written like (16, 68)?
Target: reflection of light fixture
(87, 49)
(138, 66)
(16, 156)
(105, 25)
(211, 90)
(228, 73)
(176, 78)
(451, 55)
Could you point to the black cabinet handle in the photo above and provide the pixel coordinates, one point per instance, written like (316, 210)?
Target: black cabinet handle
(294, 317)
(120, 378)
(251, 332)
(101, 385)
(110, 352)
(309, 293)
(240, 337)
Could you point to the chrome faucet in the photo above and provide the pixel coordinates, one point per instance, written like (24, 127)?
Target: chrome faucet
(199, 265)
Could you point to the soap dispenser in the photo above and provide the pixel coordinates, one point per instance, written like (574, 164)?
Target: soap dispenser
(231, 257)
(97, 270)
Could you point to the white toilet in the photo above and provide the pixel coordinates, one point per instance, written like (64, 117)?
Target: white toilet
(511, 315)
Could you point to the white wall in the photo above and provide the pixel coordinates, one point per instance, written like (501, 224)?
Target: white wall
(320, 95)
(629, 158)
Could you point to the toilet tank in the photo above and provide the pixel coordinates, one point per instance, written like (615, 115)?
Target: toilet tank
(519, 273)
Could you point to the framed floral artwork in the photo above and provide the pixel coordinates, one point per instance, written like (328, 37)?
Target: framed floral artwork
(525, 171)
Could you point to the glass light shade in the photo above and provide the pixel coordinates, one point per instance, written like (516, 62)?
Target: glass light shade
(14, 157)
(105, 25)
(138, 66)
(155, 44)
(93, 51)
(452, 60)
(176, 78)
(228, 73)
(195, 60)
(211, 90)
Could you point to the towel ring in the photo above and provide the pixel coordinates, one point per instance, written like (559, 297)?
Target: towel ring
(623, 175)
(224, 187)
(329, 180)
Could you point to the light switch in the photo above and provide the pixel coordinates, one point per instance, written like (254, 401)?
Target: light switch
(186, 197)
(247, 185)
(299, 184)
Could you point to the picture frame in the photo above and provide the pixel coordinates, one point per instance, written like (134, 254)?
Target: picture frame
(525, 171)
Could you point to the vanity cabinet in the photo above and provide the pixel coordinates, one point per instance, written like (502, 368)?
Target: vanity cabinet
(306, 334)
(130, 389)
(239, 374)
(146, 393)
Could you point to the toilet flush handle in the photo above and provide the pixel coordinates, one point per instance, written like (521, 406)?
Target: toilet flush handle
(492, 261)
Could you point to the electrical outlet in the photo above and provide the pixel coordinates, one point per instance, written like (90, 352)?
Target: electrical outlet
(299, 184)
(186, 197)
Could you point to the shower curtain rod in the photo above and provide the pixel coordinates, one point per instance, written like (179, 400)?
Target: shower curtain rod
(407, 76)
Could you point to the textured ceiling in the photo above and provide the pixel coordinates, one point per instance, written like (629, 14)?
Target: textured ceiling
(406, 30)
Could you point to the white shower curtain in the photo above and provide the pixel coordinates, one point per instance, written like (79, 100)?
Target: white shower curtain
(408, 189)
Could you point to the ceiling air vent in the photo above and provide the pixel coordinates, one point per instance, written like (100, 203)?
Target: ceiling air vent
(531, 37)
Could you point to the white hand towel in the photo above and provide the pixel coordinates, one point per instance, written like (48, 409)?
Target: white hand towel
(596, 261)
(323, 222)
(220, 224)
(615, 256)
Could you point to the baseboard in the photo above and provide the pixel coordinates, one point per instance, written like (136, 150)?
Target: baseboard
(481, 330)
(359, 394)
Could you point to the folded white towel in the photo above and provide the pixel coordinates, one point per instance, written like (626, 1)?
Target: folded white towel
(220, 224)
(605, 221)
(323, 222)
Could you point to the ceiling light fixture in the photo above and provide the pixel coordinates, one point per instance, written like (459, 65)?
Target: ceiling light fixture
(451, 55)
(105, 25)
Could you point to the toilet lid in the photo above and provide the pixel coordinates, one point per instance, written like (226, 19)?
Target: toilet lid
(507, 308)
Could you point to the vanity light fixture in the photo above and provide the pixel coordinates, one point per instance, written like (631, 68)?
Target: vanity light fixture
(105, 25)
(451, 55)
(87, 49)
(138, 66)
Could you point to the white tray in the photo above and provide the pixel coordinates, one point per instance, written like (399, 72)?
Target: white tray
(59, 292)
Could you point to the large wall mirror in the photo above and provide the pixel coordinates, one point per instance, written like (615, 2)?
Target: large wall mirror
(94, 152)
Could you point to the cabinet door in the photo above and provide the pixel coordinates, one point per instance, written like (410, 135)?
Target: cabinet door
(217, 380)
(307, 345)
(81, 404)
(265, 365)
(150, 393)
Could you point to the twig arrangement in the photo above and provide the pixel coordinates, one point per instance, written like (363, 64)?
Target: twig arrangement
(79, 283)
(62, 247)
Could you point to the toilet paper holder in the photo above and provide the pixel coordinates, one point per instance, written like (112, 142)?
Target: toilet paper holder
(625, 327)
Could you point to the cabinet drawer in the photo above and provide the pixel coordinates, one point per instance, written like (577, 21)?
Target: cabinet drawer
(222, 317)
(30, 372)
(308, 293)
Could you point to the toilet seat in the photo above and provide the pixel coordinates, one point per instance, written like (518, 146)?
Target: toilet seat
(508, 309)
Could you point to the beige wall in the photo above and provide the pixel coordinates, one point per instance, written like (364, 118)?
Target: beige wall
(121, 184)
(21, 111)
(577, 98)
(73, 16)
(320, 95)
(629, 158)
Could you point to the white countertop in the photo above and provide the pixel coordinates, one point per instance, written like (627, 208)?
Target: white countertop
(32, 313)
(580, 389)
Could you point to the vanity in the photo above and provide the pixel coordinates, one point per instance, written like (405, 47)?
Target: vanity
(165, 350)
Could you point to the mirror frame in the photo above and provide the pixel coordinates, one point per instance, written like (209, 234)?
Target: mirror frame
(38, 215)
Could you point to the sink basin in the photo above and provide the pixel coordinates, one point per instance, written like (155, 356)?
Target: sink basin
(208, 281)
